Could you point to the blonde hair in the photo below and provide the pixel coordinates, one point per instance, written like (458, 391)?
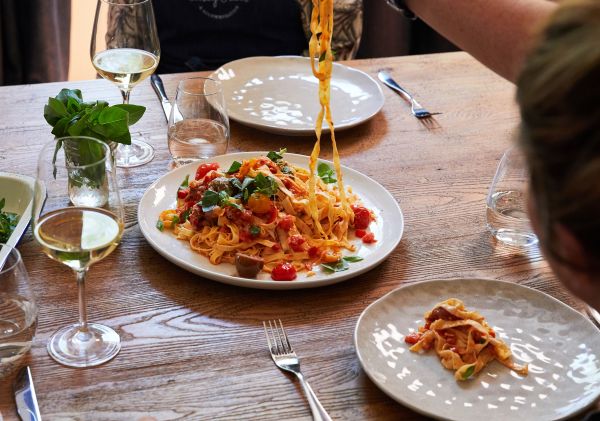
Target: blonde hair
(559, 95)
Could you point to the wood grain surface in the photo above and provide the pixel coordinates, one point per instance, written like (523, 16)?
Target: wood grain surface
(194, 348)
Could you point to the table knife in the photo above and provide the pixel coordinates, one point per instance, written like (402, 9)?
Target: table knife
(159, 88)
(25, 398)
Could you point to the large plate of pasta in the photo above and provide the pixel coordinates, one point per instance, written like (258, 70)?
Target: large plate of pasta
(208, 250)
(277, 94)
(554, 366)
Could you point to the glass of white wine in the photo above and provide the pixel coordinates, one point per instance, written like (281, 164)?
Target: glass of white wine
(78, 234)
(125, 50)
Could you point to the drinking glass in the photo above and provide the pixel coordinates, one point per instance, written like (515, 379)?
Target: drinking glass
(125, 50)
(198, 124)
(507, 217)
(79, 224)
(18, 312)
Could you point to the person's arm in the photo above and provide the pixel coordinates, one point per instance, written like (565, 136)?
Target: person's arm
(499, 33)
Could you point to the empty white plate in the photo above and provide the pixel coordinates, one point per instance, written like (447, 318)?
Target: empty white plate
(280, 94)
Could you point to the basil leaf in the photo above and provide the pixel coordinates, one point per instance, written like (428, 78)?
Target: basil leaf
(326, 173)
(468, 372)
(175, 219)
(210, 199)
(339, 266)
(135, 112)
(235, 167)
(265, 185)
(352, 259)
(276, 156)
(287, 170)
(186, 182)
(160, 225)
(254, 230)
(185, 215)
(236, 184)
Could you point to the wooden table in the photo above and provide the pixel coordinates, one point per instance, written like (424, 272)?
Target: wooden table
(194, 348)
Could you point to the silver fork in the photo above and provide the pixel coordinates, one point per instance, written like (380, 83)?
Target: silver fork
(416, 108)
(285, 358)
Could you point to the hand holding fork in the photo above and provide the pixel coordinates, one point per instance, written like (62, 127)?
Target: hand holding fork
(285, 358)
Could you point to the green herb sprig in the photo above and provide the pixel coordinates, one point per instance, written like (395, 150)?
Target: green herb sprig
(8, 223)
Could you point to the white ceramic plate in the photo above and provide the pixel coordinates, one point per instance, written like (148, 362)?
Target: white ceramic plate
(561, 346)
(17, 190)
(161, 195)
(280, 94)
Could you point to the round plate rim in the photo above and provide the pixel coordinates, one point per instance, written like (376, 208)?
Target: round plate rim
(419, 284)
(270, 284)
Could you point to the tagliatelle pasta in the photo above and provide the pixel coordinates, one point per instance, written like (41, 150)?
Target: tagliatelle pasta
(260, 207)
(462, 339)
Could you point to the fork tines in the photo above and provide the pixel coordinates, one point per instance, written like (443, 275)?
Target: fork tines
(277, 338)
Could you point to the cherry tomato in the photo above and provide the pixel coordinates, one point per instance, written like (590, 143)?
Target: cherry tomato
(296, 242)
(413, 338)
(362, 217)
(369, 238)
(182, 193)
(203, 169)
(284, 272)
(360, 233)
(272, 215)
(314, 252)
(492, 333)
(286, 222)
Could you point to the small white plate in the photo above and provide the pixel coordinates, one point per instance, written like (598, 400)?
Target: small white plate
(561, 347)
(161, 195)
(280, 94)
(17, 190)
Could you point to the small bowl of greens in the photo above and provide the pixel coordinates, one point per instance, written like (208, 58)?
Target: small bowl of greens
(16, 202)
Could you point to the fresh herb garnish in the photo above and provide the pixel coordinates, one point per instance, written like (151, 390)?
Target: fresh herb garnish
(276, 156)
(8, 222)
(468, 372)
(186, 182)
(235, 167)
(341, 265)
(160, 225)
(326, 173)
(254, 230)
(185, 215)
(211, 199)
(265, 185)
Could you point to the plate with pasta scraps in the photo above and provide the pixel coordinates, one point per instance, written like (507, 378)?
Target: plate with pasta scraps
(255, 219)
(473, 349)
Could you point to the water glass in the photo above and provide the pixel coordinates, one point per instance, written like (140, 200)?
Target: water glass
(198, 124)
(18, 311)
(507, 217)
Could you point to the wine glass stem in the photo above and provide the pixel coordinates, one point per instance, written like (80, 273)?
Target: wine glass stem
(125, 95)
(83, 327)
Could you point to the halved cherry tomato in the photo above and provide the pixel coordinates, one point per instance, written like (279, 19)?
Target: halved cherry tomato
(362, 217)
(360, 233)
(286, 222)
(413, 338)
(259, 203)
(284, 272)
(296, 242)
(369, 238)
(203, 169)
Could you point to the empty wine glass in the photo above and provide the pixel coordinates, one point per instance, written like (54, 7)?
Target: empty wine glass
(79, 223)
(125, 50)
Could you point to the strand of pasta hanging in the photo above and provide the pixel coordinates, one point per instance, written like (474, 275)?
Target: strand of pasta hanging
(321, 59)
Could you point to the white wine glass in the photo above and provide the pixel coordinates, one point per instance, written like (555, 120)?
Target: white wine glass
(125, 50)
(79, 223)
